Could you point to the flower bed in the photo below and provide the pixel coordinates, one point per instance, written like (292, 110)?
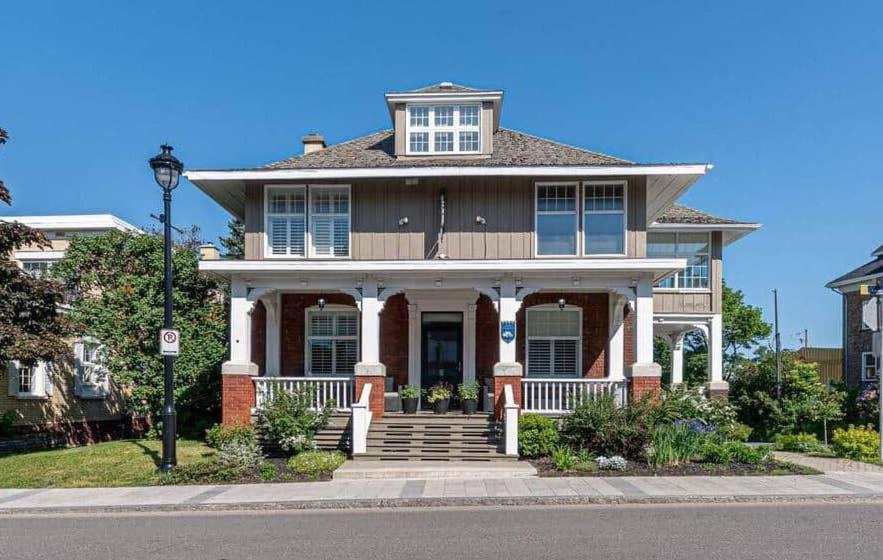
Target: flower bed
(545, 467)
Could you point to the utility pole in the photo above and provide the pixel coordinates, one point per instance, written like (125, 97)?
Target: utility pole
(806, 338)
(778, 340)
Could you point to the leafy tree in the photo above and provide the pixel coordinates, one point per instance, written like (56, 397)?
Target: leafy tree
(234, 243)
(31, 327)
(743, 325)
(120, 277)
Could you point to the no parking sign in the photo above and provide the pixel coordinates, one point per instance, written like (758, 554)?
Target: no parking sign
(169, 342)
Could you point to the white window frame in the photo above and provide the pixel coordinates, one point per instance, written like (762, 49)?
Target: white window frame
(568, 308)
(625, 217)
(866, 365)
(41, 385)
(308, 338)
(311, 250)
(677, 275)
(431, 129)
(536, 215)
(84, 388)
(268, 251)
(46, 262)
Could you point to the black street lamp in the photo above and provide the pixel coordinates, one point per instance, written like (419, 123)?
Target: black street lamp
(167, 171)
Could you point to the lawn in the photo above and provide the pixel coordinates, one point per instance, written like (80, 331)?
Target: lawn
(116, 463)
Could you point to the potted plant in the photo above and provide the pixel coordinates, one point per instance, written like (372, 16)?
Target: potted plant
(439, 396)
(468, 393)
(410, 398)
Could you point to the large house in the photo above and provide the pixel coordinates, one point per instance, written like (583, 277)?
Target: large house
(449, 248)
(71, 402)
(860, 366)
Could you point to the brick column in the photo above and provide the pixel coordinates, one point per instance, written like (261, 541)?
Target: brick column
(237, 393)
(645, 380)
(506, 373)
(720, 390)
(374, 375)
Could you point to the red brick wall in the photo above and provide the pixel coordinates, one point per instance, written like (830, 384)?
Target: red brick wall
(640, 386)
(292, 333)
(376, 402)
(394, 338)
(259, 337)
(628, 345)
(499, 385)
(596, 322)
(487, 328)
(237, 399)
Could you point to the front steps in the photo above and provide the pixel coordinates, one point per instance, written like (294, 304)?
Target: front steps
(338, 435)
(430, 437)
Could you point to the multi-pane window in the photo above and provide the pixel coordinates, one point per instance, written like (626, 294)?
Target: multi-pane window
(869, 366)
(556, 219)
(330, 221)
(93, 378)
(444, 129)
(332, 342)
(37, 269)
(695, 247)
(604, 218)
(553, 342)
(286, 221)
(26, 379)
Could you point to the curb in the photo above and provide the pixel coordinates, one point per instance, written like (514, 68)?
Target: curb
(395, 503)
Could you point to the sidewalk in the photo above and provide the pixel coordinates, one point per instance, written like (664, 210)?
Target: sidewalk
(845, 486)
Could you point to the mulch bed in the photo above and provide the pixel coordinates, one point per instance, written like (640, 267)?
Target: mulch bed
(545, 468)
(283, 474)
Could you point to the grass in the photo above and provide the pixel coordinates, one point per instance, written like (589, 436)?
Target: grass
(116, 463)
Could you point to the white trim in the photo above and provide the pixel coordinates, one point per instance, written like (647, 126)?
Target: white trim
(625, 217)
(678, 275)
(74, 222)
(38, 255)
(853, 282)
(865, 366)
(268, 253)
(311, 250)
(444, 171)
(536, 213)
(455, 129)
(579, 347)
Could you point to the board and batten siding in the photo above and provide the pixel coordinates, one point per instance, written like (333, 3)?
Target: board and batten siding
(696, 301)
(506, 204)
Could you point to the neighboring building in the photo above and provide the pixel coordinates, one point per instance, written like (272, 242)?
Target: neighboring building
(72, 402)
(829, 360)
(859, 364)
(452, 249)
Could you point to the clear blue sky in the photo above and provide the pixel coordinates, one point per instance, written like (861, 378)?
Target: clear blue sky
(785, 100)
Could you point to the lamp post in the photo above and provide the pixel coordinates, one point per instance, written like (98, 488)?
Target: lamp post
(167, 171)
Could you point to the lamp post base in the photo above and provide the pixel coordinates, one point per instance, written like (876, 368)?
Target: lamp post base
(169, 429)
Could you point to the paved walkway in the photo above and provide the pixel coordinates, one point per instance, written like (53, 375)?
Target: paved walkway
(828, 465)
(447, 492)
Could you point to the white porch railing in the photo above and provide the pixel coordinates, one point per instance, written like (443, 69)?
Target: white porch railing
(325, 389)
(362, 421)
(560, 396)
(510, 418)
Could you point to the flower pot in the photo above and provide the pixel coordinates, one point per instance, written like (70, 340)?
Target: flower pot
(469, 406)
(441, 406)
(409, 406)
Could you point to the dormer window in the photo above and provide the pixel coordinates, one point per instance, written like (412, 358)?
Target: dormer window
(444, 129)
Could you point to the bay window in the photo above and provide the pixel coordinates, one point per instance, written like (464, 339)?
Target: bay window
(332, 341)
(604, 218)
(443, 129)
(695, 247)
(556, 219)
(554, 341)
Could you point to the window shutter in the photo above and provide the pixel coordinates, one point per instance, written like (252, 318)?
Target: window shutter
(12, 372)
(323, 236)
(539, 357)
(47, 370)
(321, 357)
(341, 237)
(78, 369)
(278, 236)
(565, 357)
(297, 229)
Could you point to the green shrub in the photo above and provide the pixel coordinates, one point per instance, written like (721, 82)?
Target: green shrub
(676, 443)
(729, 452)
(218, 435)
(602, 427)
(537, 435)
(468, 390)
(563, 458)
(801, 443)
(203, 472)
(314, 464)
(410, 392)
(735, 432)
(6, 420)
(289, 422)
(240, 454)
(859, 443)
(268, 472)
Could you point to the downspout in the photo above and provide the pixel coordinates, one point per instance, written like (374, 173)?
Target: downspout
(441, 228)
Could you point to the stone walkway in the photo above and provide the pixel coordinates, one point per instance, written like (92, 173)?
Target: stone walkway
(828, 465)
(453, 492)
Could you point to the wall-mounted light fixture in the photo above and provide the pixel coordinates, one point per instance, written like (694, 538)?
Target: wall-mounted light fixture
(412, 181)
(321, 303)
(438, 283)
(561, 304)
(480, 220)
(403, 221)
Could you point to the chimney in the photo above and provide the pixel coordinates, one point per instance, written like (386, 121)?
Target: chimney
(209, 252)
(313, 142)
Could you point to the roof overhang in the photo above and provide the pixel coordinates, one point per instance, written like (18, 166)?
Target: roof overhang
(665, 182)
(81, 222)
(493, 96)
(731, 232)
(573, 268)
(852, 284)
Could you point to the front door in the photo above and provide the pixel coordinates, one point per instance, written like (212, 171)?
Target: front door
(441, 348)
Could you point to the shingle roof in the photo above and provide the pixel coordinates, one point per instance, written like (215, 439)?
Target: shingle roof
(872, 268)
(678, 214)
(511, 148)
(446, 87)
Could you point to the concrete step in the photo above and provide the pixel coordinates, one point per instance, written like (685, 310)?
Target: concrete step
(368, 470)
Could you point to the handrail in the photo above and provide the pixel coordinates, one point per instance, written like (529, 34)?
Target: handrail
(560, 396)
(510, 416)
(362, 420)
(325, 390)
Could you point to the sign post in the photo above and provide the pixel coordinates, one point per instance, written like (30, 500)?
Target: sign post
(876, 291)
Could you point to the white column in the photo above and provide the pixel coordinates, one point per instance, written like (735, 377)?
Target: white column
(644, 322)
(616, 354)
(715, 350)
(677, 358)
(509, 306)
(469, 343)
(371, 308)
(273, 306)
(240, 323)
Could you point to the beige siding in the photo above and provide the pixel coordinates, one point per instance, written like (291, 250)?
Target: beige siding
(254, 221)
(636, 241)
(399, 124)
(487, 128)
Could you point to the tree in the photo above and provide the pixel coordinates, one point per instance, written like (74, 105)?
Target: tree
(743, 326)
(234, 243)
(31, 327)
(120, 277)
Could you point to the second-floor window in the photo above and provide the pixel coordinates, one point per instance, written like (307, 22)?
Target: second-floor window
(308, 220)
(37, 269)
(604, 218)
(443, 129)
(695, 247)
(869, 366)
(556, 219)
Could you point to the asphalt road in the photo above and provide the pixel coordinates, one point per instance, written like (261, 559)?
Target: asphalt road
(707, 532)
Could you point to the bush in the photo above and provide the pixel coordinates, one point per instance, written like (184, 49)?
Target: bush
(289, 422)
(725, 453)
(680, 442)
(6, 420)
(410, 392)
(240, 454)
(537, 435)
(314, 464)
(858, 443)
(801, 443)
(268, 472)
(218, 435)
(468, 391)
(600, 426)
(615, 463)
(203, 472)
(735, 432)
(563, 458)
